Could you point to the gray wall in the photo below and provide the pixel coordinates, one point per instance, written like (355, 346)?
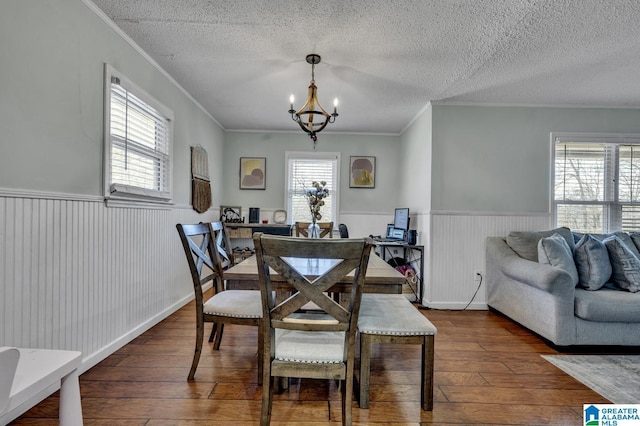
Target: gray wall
(382, 198)
(51, 100)
(75, 274)
(497, 159)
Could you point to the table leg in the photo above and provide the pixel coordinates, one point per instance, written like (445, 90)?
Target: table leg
(70, 405)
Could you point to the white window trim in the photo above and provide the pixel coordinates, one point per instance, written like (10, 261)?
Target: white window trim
(581, 137)
(120, 195)
(320, 156)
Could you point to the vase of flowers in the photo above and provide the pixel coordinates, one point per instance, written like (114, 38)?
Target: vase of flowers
(313, 231)
(315, 199)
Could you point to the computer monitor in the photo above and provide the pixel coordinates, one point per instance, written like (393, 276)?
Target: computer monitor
(401, 219)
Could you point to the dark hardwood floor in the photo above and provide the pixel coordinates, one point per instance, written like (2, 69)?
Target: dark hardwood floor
(488, 371)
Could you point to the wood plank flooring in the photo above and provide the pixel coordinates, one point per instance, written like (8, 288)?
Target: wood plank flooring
(488, 371)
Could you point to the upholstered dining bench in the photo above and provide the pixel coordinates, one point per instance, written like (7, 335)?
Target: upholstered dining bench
(391, 318)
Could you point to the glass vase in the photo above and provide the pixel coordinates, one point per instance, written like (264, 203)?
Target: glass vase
(314, 230)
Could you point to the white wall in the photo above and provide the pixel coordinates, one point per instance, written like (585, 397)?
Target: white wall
(415, 185)
(73, 273)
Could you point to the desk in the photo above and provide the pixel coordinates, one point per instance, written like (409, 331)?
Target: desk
(381, 278)
(390, 250)
(246, 230)
(242, 233)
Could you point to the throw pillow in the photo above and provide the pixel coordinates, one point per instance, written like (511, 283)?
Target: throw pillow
(525, 244)
(635, 237)
(628, 242)
(624, 264)
(555, 251)
(627, 239)
(592, 262)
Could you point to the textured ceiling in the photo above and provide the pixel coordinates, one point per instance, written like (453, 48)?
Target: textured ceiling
(385, 60)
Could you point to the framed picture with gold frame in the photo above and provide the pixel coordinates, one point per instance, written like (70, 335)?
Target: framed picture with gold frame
(253, 172)
(362, 172)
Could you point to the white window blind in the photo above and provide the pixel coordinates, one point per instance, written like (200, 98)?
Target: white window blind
(597, 183)
(139, 143)
(302, 170)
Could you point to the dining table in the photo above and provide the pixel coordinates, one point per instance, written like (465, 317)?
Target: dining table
(380, 278)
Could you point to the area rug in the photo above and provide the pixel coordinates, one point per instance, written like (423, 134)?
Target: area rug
(616, 377)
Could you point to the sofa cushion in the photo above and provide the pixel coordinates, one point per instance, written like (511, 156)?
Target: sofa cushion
(555, 251)
(525, 243)
(592, 262)
(624, 265)
(607, 305)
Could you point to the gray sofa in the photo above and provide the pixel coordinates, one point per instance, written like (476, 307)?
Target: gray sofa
(546, 300)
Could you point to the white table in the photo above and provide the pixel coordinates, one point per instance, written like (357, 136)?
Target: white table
(39, 373)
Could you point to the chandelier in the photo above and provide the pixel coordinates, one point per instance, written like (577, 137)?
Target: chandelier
(312, 110)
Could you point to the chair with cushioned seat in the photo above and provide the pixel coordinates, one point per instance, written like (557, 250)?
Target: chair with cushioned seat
(302, 344)
(223, 244)
(391, 318)
(241, 307)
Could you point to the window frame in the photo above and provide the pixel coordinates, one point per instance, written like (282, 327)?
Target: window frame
(612, 207)
(118, 194)
(334, 193)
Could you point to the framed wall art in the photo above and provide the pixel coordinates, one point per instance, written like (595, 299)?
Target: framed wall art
(253, 172)
(230, 214)
(362, 172)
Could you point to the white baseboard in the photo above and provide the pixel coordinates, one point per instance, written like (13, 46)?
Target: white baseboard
(457, 306)
(103, 353)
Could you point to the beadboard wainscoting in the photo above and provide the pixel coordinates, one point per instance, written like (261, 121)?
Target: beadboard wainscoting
(457, 251)
(80, 276)
(77, 275)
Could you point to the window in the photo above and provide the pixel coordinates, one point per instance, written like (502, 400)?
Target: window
(304, 168)
(138, 132)
(597, 182)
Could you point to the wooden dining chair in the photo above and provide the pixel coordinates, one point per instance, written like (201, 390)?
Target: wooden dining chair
(326, 229)
(241, 307)
(304, 344)
(223, 244)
